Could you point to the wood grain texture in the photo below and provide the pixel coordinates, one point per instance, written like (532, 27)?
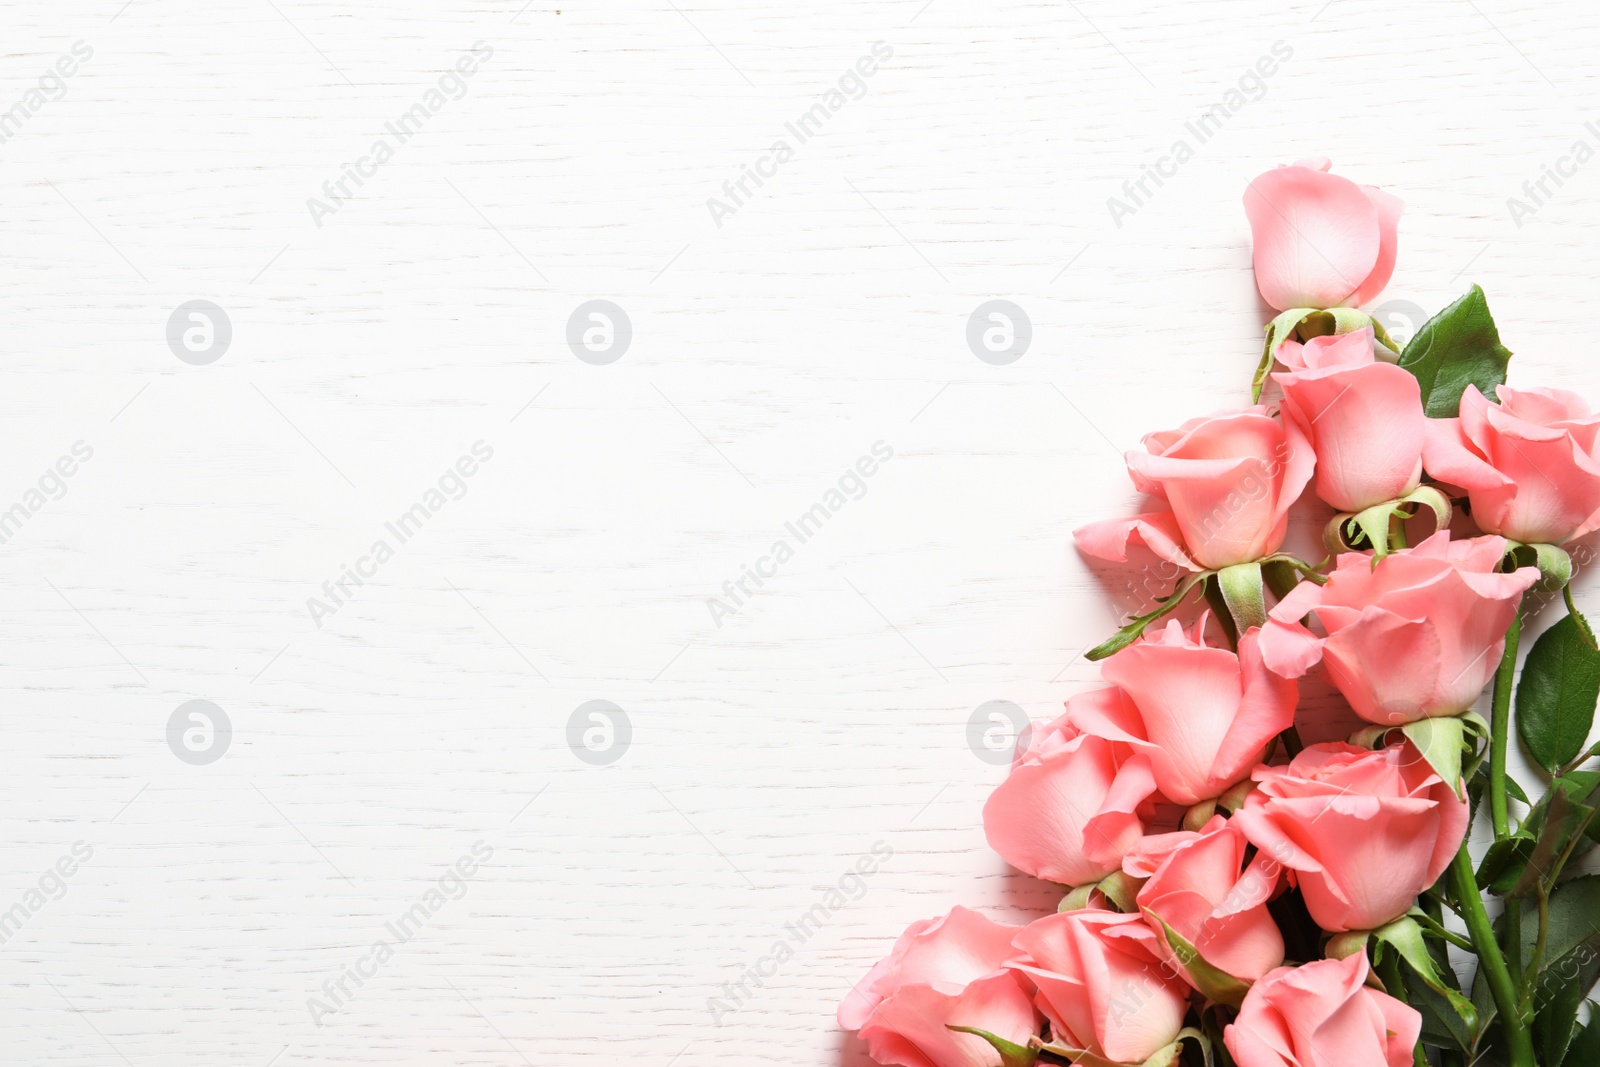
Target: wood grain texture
(428, 312)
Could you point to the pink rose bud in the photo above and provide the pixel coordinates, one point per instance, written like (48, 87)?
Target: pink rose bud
(1416, 636)
(1364, 832)
(1199, 886)
(1070, 808)
(1229, 480)
(1203, 716)
(1530, 464)
(1321, 241)
(1363, 419)
(1322, 1013)
(1101, 984)
(943, 972)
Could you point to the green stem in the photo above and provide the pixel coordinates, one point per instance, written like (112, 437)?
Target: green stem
(1519, 1042)
(1536, 960)
(1438, 929)
(1512, 921)
(1397, 531)
(1500, 731)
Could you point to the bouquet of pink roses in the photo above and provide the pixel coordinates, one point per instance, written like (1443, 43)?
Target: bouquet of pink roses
(1231, 895)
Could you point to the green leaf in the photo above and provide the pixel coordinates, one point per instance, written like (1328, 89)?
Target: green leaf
(1135, 626)
(1011, 1053)
(1555, 1020)
(1215, 984)
(1563, 818)
(1572, 953)
(1565, 809)
(1442, 1025)
(1504, 863)
(1458, 347)
(1572, 948)
(1405, 937)
(1585, 1048)
(1515, 790)
(1440, 740)
(1583, 623)
(1556, 696)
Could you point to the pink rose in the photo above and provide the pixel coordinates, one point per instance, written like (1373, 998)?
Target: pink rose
(1320, 241)
(1069, 810)
(1322, 1014)
(1199, 886)
(1101, 984)
(1530, 464)
(1361, 418)
(1229, 480)
(942, 971)
(1364, 832)
(1203, 716)
(1416, 636)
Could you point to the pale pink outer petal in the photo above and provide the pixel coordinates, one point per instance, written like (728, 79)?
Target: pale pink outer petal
(1389, 209)
(1064, 1001)
(1133, 1025)
(1289, 650)
(910, 1028)
(1332, 1019)
(868, 993)
(1317, 237)
(1302, 598)
(950, 970)
(1388, 667)
(1229, 479)
(1372, 867)
(1266, 709)
(1366, 427)
(1156, 530)
(1365, 831)
(1281, 839)
(1038, 817)
(1259, 1040)
(1188, 697)
(1199, 891)
(1453, 817)
(1402, 1026)
(1117, 827)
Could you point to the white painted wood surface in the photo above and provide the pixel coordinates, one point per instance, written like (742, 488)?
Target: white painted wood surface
(428, 312)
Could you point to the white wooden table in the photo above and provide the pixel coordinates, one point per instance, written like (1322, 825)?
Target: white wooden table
(613, 910)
